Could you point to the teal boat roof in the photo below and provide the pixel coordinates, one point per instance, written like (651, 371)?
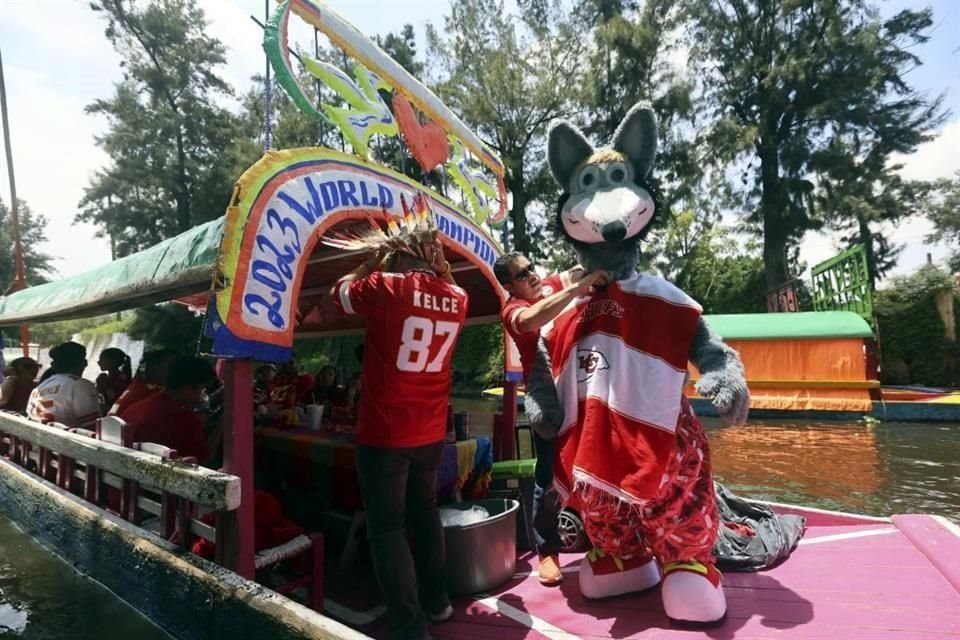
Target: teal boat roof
(179, 266)
(786, 326)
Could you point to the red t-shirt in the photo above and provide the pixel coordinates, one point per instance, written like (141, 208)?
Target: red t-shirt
(137, 390)
(110, 386)
(527, 341)
(279, 391)
(159, 419)
(413, 320)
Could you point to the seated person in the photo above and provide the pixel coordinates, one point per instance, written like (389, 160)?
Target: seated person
(148, 381)
(16, 388)
(115, 378)
(289, 388)
(62, 395)
(167, 417)
(327, 390)
(262, 378)
(271, 527)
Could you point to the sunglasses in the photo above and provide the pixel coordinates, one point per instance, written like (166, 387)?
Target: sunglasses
(524, 273)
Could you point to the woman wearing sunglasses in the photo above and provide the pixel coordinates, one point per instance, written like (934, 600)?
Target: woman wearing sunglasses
(533, 302)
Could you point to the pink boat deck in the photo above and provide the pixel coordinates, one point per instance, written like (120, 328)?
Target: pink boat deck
(850, 578)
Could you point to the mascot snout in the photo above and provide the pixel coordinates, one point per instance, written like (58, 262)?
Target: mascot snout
(614, 231)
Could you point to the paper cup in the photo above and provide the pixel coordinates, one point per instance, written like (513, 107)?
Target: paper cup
(314, 416)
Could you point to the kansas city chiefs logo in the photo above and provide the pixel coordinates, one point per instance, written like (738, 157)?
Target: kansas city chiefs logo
(589, 362)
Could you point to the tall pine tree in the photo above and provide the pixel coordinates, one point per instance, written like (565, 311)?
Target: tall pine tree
(786, 82)
(167, 135)
(508, 76)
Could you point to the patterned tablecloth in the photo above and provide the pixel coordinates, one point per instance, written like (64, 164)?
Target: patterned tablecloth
(322, 464)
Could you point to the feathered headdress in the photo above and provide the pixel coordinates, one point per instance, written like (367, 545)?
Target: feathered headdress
(417, 227)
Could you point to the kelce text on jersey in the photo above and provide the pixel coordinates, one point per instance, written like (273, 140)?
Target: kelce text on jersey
(435, 303)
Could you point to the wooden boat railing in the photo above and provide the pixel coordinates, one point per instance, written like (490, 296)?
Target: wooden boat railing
(80, 460)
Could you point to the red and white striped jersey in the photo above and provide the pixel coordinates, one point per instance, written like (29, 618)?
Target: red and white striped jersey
(66, 399)
(619, 362)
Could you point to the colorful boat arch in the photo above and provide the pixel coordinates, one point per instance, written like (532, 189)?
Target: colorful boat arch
(281, 207)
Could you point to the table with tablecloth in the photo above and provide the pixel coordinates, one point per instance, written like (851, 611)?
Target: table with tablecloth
(321, 463)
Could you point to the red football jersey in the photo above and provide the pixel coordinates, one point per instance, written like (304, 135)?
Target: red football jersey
(413, 320)
(527, 342)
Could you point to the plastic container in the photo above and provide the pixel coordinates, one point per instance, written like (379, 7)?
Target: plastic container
(461, 425)
(482, 555)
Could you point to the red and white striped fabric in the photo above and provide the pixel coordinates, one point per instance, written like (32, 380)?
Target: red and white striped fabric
(66, 399)
(619, 363)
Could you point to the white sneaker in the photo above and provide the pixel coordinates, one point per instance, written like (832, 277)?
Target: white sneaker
(443, 616)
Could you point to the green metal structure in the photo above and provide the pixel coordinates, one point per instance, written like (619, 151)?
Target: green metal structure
(842, 283)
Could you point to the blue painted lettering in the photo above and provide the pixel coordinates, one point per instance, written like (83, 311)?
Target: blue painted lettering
(385, 196)
(283, 260)
(268, 275)
(468, 237)
(251, 300)
(365, 197)
(456, 231)
(347, 191)
(285, 225)
(312, 211)
(331, 195)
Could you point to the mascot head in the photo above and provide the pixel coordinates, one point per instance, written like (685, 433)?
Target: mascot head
(606, 207)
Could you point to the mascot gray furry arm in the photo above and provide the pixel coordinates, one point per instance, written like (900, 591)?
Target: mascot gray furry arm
(608, 210)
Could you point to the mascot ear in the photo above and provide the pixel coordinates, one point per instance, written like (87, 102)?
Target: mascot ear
(566, 149)
(636, 137)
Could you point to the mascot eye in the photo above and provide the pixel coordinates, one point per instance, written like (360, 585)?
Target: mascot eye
(617, 173)
(588, 178)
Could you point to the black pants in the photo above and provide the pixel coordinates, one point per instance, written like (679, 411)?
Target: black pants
(546, 501)
(400, 486)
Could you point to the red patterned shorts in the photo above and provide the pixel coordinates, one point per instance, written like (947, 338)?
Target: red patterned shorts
(680, 524)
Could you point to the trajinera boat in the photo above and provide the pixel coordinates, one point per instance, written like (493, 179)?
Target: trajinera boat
(258, 273)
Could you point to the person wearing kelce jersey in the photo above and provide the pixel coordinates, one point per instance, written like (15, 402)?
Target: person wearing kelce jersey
(414, 313)
(533, 303)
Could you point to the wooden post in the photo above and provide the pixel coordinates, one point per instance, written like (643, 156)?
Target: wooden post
(237, 525)
(19, 282)
(509, 424)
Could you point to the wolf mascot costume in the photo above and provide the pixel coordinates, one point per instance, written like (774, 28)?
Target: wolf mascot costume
(609, 385)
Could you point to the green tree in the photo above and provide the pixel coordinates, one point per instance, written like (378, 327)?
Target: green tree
(508, 76)
(630, 61)
(784, 79)
(402, 47)
(36, 263)
(171, 326)
(167, 135)
(720, 269)
(944, 212)
(913, 342)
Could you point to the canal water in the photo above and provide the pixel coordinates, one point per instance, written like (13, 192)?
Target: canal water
(871, 469)
(43, 598)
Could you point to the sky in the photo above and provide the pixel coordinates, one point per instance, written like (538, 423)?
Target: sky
(57, 60)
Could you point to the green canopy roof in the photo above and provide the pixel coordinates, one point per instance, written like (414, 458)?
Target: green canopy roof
(808, 324)
(176, 267)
